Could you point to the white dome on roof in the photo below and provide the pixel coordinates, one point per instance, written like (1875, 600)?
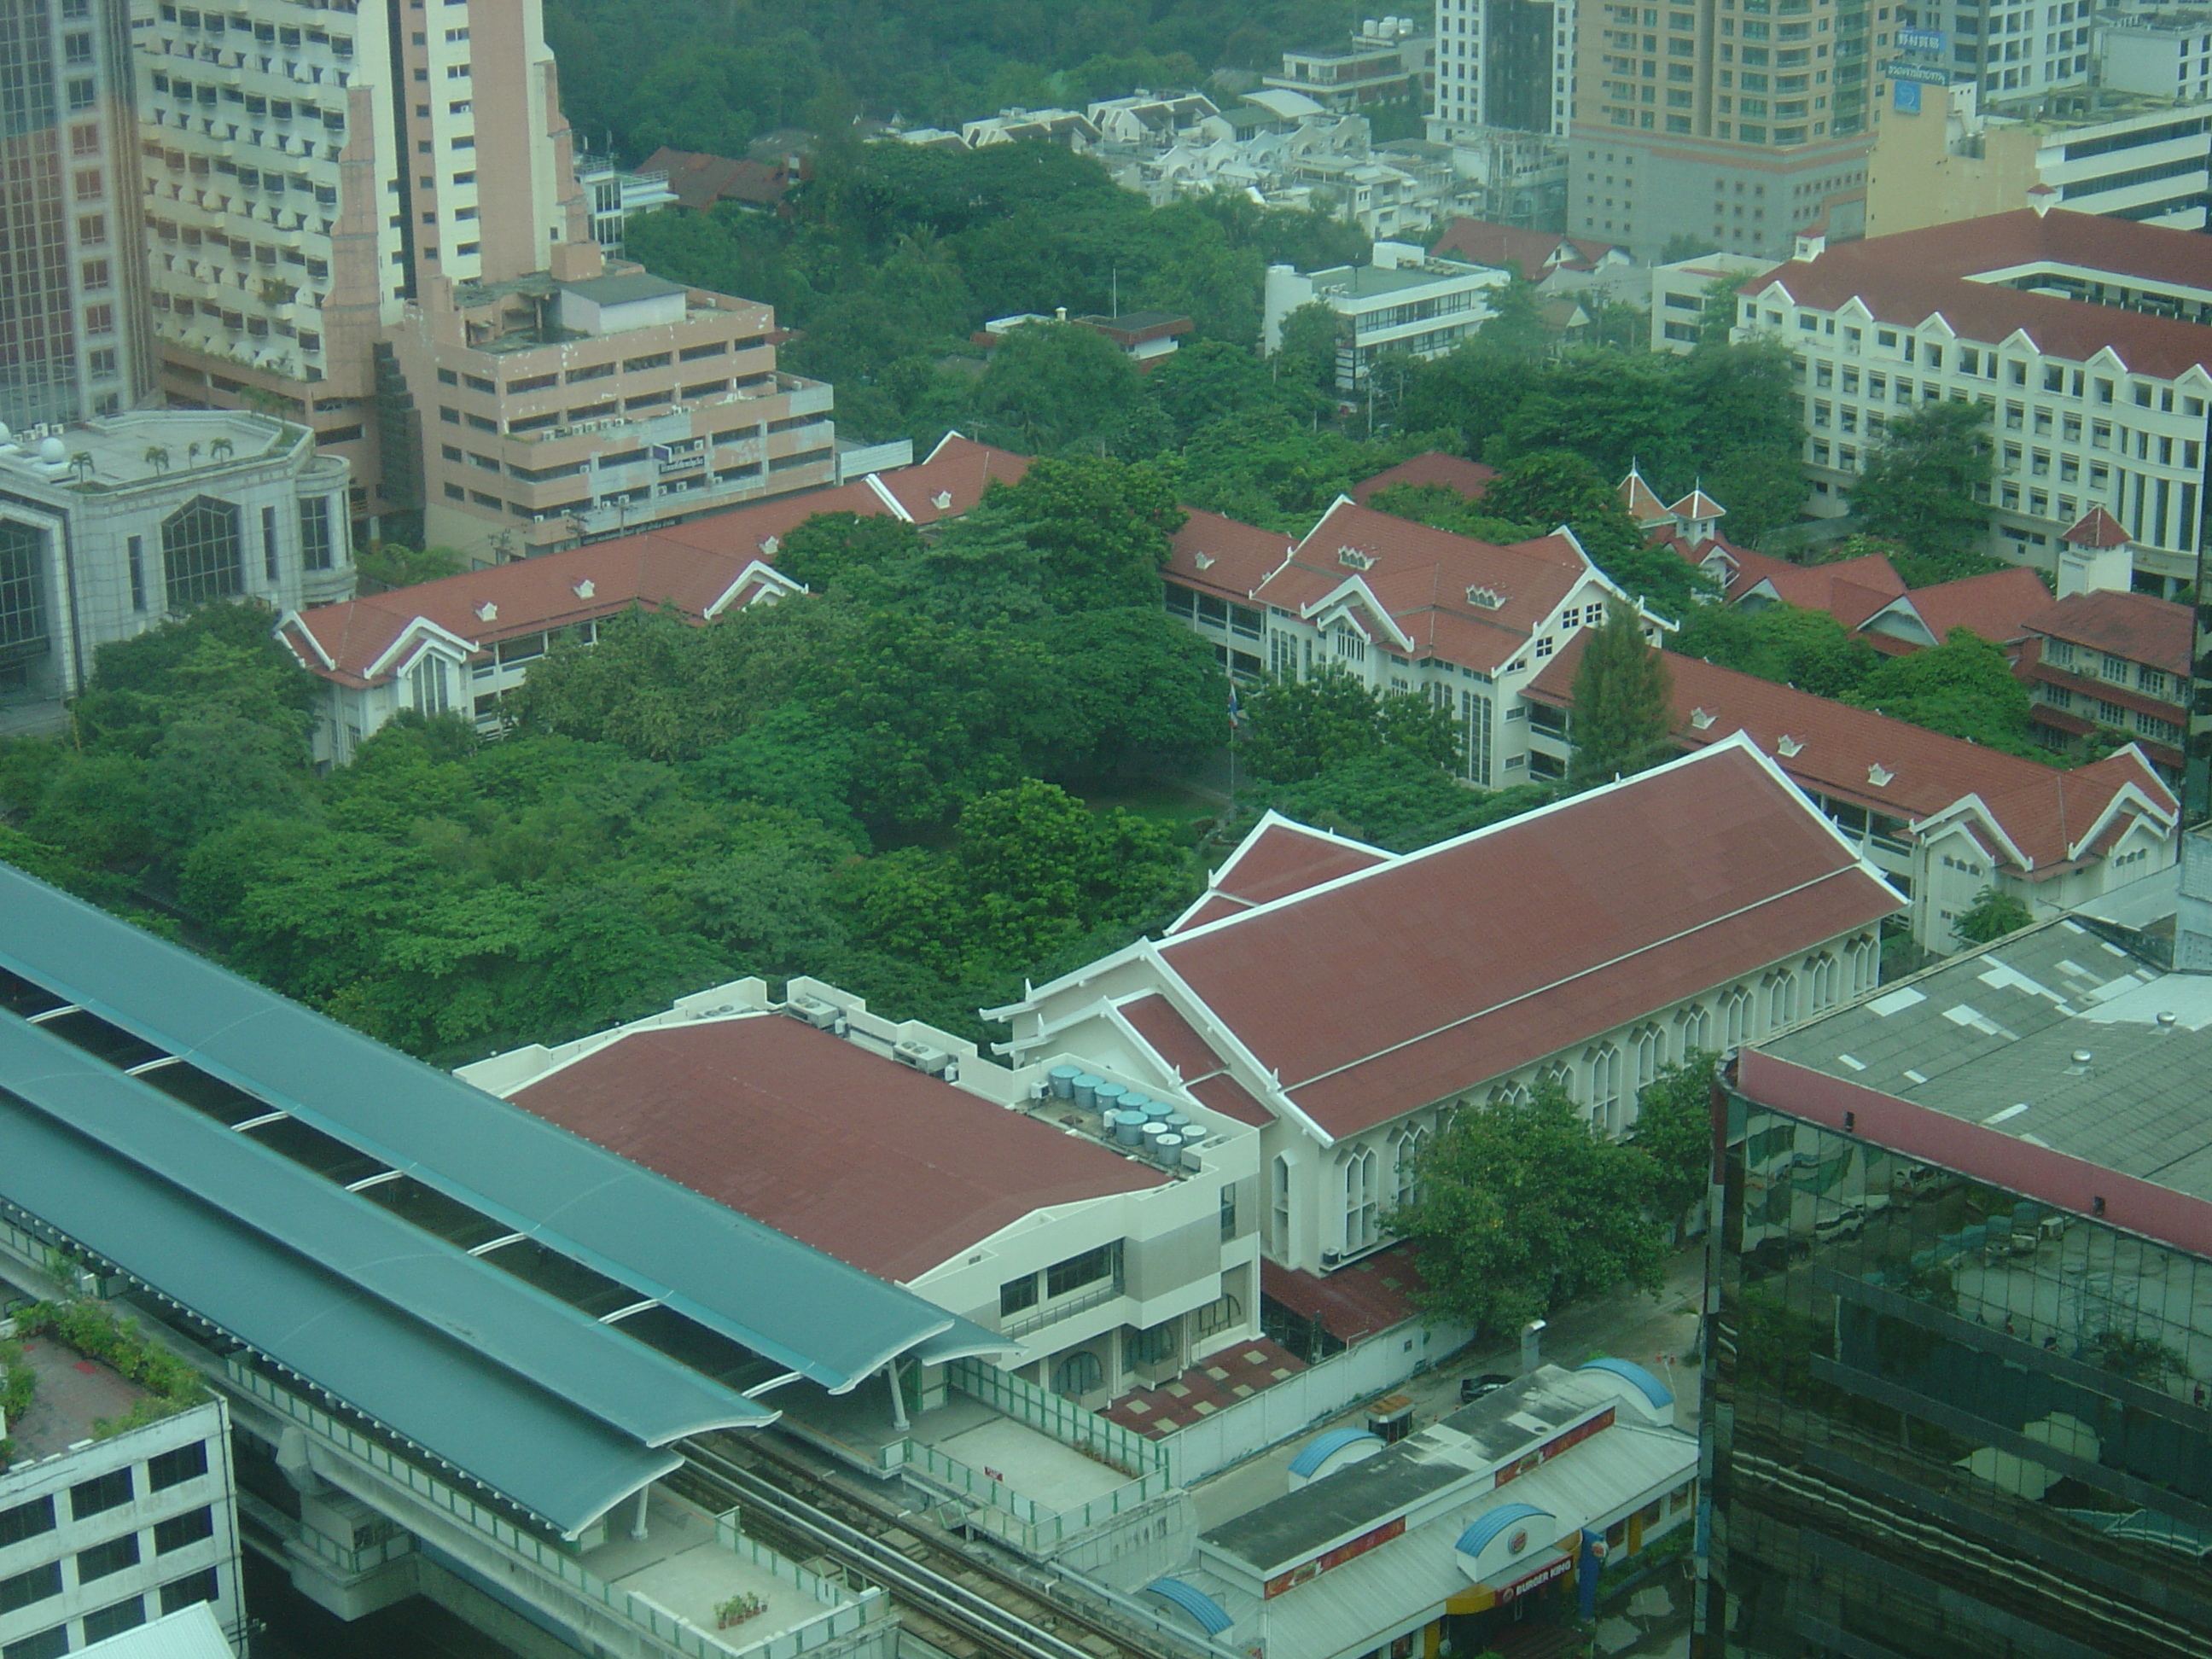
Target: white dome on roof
(53, 451)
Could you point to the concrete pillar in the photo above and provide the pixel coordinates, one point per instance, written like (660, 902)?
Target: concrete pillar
(637, 1528)
(899, 1397)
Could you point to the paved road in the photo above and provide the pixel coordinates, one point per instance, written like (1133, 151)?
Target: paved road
(1628, 1325)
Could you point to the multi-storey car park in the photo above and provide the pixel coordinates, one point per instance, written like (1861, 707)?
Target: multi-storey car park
(2087, 339)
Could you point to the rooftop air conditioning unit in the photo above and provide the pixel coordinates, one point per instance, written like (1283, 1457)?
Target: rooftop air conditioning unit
(923, 1058)
(822, 1015)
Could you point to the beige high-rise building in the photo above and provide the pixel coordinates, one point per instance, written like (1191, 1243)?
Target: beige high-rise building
(1735, 124)
(341, 198)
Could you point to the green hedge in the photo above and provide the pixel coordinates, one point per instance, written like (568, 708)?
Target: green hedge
(171, 1384)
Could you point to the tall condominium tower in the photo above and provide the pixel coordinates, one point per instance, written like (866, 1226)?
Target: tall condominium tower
(74, 340)
(1507, 63)
(1732, 124)
(365, 215)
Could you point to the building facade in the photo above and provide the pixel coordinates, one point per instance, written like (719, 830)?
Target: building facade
(1248, 992)
(1503, 63)
(2087, 339)
(1736, 128)
(2112, 663)
(75, 335)
(1947, 153)
(1389, 60)
(1955, 1405)
(128, 521)
(2166, 53)
(1403, 300)
(117, 1531)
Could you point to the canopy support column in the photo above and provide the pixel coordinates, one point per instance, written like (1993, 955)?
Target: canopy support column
(899, 1397)
(637, 1521)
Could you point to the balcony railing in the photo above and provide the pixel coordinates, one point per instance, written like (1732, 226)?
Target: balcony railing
(1051, 1313)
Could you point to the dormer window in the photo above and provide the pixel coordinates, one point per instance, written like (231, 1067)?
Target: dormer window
(1789, 746)
(1879, 775)
(487, 611)
(1352, 559)
(1702, 718)
(1487, 599)
(770, 545)
(1203, 561)
(942, 500)
(584, 589)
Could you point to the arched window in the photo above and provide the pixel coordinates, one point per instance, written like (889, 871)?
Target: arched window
(1650, 1045)
(1411, 1145)
(1697, 1028)
(430, 684)
(1735, 1016)
(1078, 1374)
(1350, 646)
(1866, 966)
(1823, 973)
(201, 549)
(1781, 987)
(1606, 1111)
(1362, 1210)
(1509, 1094)
(1560, 1076)
(1279, 1210)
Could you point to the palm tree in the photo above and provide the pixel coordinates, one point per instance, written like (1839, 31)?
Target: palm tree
(80, 463)
(193, 453)
(220, 449)
(156, 457)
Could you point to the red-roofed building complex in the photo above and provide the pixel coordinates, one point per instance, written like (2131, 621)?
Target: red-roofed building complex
(461, 643)
(1942, 818)
(2113, 663)
(1431, 469)
(1400, 605)
(1002, 1194)
(2087, 338)
(1351, 998)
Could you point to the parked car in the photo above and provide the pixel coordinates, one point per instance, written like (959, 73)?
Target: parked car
(1472, 1388)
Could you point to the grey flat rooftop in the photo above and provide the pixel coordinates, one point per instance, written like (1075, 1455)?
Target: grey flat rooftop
(189, 438)
(1990, 1038)
(1494, 1430)
(621, 290)
(1367, 282)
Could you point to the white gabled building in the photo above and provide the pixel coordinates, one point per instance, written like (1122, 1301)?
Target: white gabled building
(2087, 338)
(1346, 1001)
(1400, 606)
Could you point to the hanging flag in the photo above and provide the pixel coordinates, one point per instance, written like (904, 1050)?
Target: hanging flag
(1236, 709)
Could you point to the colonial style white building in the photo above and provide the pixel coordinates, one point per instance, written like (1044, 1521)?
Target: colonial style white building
(2089, 339)
(1401, 607)
(110, 528)
(1344, 1000)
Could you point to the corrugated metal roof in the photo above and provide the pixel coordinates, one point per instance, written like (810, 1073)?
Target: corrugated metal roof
(832, 1323)
(188, 1633)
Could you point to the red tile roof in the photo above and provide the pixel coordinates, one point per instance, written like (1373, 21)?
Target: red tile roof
(1906, 279)
(1422, 576)
(1696, 506)
(1278, 857)
(1224, 555)
(699, 180)
(1237, 1372)
(690, 565)
(1430, 467)
(2043, 810)
(1354, 1303)
(1850, 590)
(1203, 1071)
(2135, 626)
(881, 1166)
(1375, 995)
(1533, 253)
(1643, 503)
(2097, 528)
(1995, 604)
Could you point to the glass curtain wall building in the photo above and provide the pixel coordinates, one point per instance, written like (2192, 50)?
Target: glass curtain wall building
(1957, 1394)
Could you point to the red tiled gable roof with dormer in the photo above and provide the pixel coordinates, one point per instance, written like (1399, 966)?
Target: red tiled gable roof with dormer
(1906, 279)
(1433, 468)
(1421, 576)
(2134, 626)
(1834, 750)
(958, 469)
(1850, 590)
(1534, 254)
(1394, 988)
(1224, 555)
(1995, 604)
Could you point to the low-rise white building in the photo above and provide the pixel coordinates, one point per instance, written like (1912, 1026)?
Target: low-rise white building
(101, 1534)
(1679, 291)
(110, 528)
(1403, 300)
(2088, 340)
(1018, 1197)
(2164, 52)
(1350, 999)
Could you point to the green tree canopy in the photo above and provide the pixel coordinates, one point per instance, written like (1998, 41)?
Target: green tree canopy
(1991, 916)
(1808, 649)
(1920, 484)
(1674, 1126)
(1296, 730)
(1624, 709)
(1963, 688)
(1520, 1207)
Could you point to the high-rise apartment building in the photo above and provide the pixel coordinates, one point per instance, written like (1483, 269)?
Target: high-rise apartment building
(1507, 63)
(74, 340)
(363, 211)
(2016, 52)
(1735, 124)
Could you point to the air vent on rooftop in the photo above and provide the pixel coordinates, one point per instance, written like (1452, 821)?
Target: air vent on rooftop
(923, 1058)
